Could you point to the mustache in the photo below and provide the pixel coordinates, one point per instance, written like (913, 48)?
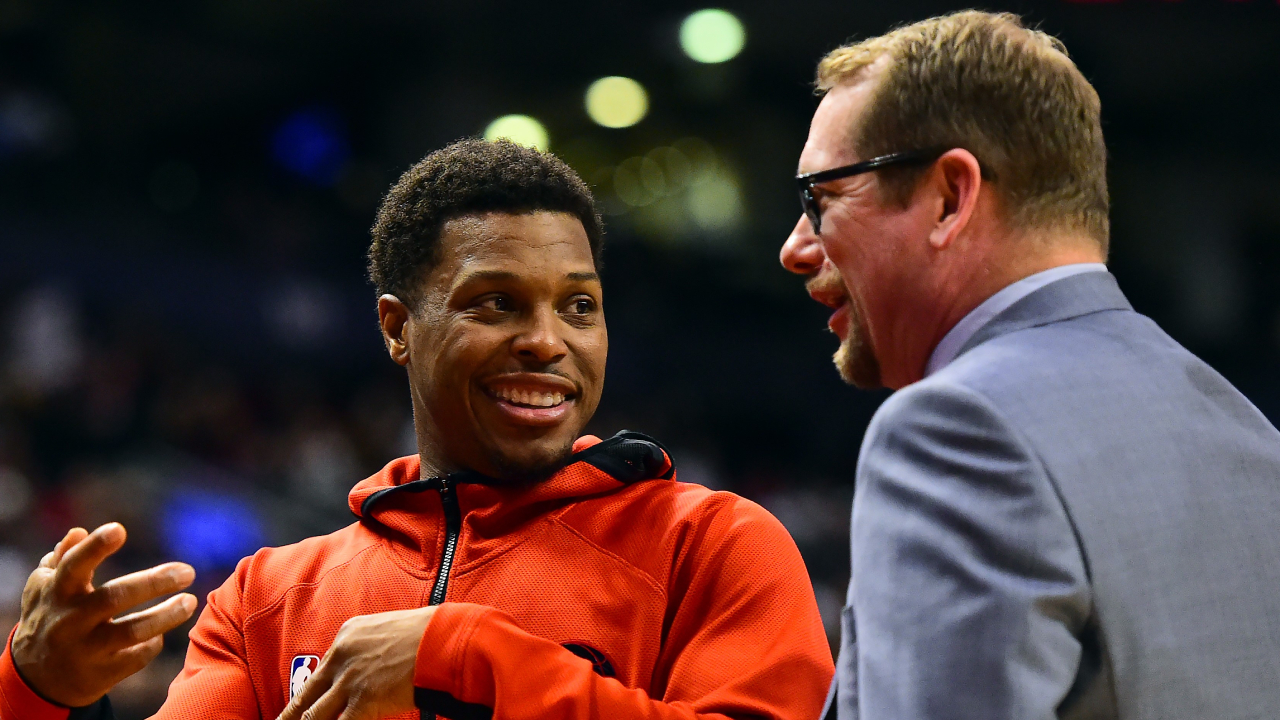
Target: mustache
(826, 282)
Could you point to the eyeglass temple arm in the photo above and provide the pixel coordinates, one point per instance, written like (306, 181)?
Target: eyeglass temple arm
(822, 176)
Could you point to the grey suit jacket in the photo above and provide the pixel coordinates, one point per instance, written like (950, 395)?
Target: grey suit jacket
(1077, 518)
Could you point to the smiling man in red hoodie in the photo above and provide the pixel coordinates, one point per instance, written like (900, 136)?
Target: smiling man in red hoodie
(511, 569)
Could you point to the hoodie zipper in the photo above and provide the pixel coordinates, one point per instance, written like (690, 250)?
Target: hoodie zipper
(452, 526)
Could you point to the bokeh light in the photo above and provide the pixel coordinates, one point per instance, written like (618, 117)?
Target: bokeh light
(677, 192)
(519, 129)
(712, 35)
(714, 202)
(312, 144)
(639, 181)
(617, 102)
(211, 530)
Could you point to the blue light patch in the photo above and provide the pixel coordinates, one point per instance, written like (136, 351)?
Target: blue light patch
(209, 530)
(312, 144)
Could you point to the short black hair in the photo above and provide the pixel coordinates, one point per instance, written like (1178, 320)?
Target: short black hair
(466, 177)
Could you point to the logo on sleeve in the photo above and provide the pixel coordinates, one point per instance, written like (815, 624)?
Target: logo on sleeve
(598, 661)
(300, 671)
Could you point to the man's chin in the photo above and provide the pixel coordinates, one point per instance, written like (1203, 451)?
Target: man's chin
(531, 465)
(857, 364)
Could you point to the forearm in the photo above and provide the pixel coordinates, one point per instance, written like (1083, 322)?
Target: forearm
(474, 660)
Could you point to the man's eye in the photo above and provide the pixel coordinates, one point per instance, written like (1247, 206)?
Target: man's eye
(497, 303)
(582, 306)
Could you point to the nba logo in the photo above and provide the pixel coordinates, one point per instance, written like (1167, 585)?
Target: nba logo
(300, 671)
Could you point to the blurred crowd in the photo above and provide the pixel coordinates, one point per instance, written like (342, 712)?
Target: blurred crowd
(105, 417)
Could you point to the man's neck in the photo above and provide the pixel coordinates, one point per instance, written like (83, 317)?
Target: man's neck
(431, 462)
(966, 291)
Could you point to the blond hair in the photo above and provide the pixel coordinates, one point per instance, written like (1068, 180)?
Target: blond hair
(1008, 94)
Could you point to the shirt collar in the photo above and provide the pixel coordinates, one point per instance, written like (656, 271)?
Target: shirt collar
(955, 338)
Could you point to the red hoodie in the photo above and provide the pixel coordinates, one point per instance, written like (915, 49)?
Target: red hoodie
(607, 591)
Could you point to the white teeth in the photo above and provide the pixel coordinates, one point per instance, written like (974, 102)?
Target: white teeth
(532, 398)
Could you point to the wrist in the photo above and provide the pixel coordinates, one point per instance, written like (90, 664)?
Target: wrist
(18, 698)
(17, 670)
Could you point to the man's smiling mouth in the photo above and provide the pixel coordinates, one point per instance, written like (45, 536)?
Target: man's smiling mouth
(829, 290)
(540, 399)
(528, 398)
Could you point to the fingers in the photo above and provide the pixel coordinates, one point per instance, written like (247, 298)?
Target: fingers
(132, 659)
(115, 596)
(328, 707)
(148, 624)
(73, 536)
(74, 572)
(354, 711)
(312, 690)
(40, 577)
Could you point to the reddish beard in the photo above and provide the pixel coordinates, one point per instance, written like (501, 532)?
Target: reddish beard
(855, 359)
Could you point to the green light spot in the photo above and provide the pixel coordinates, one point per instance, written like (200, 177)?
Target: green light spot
(712, 36)
(519, 129)
(617, 102)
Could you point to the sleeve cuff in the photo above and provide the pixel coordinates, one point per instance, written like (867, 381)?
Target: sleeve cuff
(19, 701)
(442, 654)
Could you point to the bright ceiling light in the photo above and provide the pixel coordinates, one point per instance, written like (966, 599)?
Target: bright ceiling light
(519, 129)
(712, 35)
(617, 102)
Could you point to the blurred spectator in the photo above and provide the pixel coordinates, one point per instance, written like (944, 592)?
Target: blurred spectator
(46, 350)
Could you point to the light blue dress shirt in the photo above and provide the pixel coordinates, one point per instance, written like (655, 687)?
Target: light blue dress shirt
(955, 339)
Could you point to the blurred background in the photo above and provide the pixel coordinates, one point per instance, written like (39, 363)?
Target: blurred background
(188, 341)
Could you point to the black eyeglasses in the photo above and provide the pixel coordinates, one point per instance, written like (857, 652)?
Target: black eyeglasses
(810, 204)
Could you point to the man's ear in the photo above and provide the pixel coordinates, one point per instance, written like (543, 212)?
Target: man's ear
(958, 178)
(393, 318)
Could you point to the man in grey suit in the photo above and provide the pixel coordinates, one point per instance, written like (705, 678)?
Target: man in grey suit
(1061, 513)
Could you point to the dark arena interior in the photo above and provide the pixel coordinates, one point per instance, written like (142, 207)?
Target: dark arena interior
(189, 342)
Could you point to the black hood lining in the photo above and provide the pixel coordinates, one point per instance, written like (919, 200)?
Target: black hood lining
(627, 457)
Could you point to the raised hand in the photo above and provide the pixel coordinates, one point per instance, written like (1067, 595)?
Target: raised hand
(72, 644)
(368, 671)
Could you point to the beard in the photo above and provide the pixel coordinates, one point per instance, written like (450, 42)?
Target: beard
(855, 359)
(525, 472)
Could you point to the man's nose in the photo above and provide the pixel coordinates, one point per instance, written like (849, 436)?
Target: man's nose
(540, 341)
(802, 253)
